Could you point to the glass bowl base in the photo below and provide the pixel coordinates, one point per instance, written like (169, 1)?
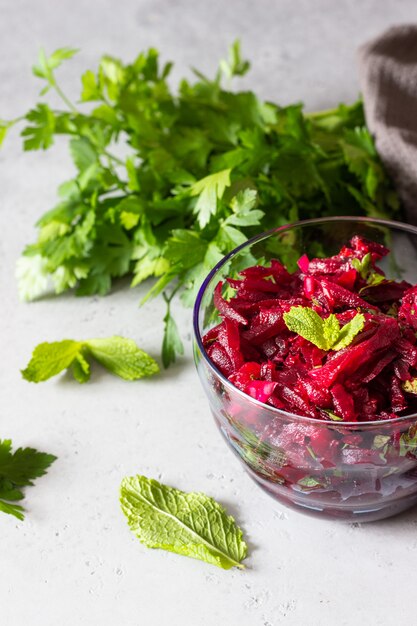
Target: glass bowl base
(344, 511)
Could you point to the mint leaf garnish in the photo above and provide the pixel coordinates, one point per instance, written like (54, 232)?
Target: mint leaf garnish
(118, 355)
(191, 524)
(348, 332)
(307, 323)
(326, 333)
(19, 469)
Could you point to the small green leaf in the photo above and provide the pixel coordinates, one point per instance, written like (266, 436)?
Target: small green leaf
(46, 65)
(380, 441)
(12, 509)
(333, 416)
(32, 276)
(365, 269)
(19, 469)
(331, 329)
(235, 66)
(49, 359)
(244, 213)
(80, 369)
(122, 357)
(408, 441)
(83, 153)
(209, 190)
(40, 134)
(190, 524)
(186, 248)
(4, 127)
(307, 323)
(90, 88)
(363, 266)
(308, 482)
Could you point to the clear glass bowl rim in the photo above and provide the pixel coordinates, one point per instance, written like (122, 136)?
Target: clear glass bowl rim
(252, 401)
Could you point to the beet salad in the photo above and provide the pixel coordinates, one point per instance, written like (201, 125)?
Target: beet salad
(335, 340)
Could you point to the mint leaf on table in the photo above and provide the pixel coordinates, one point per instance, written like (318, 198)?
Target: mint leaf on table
(205, 168)
(191, 524)
(325, 333)
(19, 469)
(118, 355)
(122, 357)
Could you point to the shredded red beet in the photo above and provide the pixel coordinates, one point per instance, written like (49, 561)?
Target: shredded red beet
(362, 381)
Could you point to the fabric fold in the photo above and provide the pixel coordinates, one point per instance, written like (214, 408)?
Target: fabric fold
(388, 77)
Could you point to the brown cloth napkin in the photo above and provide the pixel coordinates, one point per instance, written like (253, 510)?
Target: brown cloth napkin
(388, 76)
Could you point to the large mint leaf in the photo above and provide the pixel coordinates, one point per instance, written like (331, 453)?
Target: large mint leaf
(122, 357)
(307, 323)
(191, 524)
(119, 355)
(49, 359)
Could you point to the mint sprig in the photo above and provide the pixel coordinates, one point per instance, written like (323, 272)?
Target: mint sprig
(118, 355)
(326, 334)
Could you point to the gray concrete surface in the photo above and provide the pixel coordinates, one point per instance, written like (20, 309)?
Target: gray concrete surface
(73, 562)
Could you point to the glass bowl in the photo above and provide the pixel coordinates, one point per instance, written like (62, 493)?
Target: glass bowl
(352, 471)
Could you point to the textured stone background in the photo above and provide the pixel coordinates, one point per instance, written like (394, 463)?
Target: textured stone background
(73, 562)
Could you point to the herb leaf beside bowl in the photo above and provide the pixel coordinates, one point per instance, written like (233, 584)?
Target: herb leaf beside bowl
(191, 524)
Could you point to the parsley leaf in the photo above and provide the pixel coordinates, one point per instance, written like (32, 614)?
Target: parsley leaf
(41, 132)
(118, 355)
(326, 333)
(46, 65)
(209, 190)
(19, 469)
(191, 524)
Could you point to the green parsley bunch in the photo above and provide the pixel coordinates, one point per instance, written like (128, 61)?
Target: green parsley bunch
(203, 169)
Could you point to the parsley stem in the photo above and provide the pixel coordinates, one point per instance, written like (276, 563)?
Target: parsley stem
(114, 158)
(319, 114)
(14, 121)
(171, 296)
(64, 97)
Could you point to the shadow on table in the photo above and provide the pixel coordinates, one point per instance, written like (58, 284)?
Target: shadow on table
(406, 517)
